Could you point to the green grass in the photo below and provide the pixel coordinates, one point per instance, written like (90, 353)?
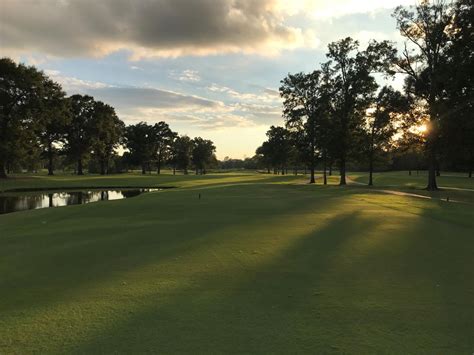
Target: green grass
(456, 186)
(260, 264)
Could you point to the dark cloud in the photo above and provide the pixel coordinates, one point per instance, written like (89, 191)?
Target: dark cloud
(147, 27)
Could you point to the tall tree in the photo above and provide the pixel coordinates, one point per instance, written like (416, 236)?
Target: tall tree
(426, 28)
(141, 142)
(388, 106)
(202, 154)
(80, 132)
(55, 112)
(182, 150)
(164, 137)
(352, 88)
(458, 125)
(108, 132)
(20, 94)
(304, 111)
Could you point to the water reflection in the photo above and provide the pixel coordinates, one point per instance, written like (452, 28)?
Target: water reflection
(30, 201)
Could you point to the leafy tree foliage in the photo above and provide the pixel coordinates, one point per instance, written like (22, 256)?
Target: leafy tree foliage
(80, 132)
(202, 154)
(388, 109)
(182, 150)
(21, 89)
(108, 131)
(351, 90)
(427, 28)
(141, 142)
(164, 138)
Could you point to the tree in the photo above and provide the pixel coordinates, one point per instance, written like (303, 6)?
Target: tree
(80, 132)
(141, 142)
(304, 111)
(108, 132)
(20, 93)
(426, 27)
(388, 106)
(352, 87)
(458, 125)
(277, 149)
(164, 137)
(264, 155)
(182, 149)
(55, 113)
(202, 154)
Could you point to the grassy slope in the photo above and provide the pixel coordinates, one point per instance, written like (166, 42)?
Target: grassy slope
(257, 265)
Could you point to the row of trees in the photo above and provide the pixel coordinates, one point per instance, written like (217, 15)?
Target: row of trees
(38, 121)
(339, 113)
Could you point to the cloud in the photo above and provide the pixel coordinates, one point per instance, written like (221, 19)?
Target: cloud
(323, 9)
(266, 95)
(186, 75)
(147, 28)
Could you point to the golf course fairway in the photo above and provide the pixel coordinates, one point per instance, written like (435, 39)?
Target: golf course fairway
(237, 263)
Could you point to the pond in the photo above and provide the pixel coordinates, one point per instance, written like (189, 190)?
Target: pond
(14, 202)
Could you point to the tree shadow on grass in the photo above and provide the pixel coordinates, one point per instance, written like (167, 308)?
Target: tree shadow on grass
(274, 302)
(43, 273)
(354, 285)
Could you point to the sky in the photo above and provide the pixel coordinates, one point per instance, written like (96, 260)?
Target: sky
(209, 68)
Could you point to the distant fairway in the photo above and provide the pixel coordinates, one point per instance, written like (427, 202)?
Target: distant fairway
(259, 264)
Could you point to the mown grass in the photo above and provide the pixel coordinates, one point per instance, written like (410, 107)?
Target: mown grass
(259, 264)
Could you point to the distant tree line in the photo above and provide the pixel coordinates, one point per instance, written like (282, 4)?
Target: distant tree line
(339, 115)
(39, 123)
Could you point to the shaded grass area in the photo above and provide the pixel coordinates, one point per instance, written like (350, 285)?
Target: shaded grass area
(455, 186)
(417, 181)
(259, 264)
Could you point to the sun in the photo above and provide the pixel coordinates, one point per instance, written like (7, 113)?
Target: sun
(421, 128)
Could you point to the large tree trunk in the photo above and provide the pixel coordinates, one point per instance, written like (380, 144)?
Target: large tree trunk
(3, 171)
(313, 160)
(371, 169)
(143, 169)
(343, 172)
(325, 176)
(158, 165)
(330, 169)
(102, 167)
(50, 159)
(470, 173)
(79, 167)
(432, 186)
(312, 179)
